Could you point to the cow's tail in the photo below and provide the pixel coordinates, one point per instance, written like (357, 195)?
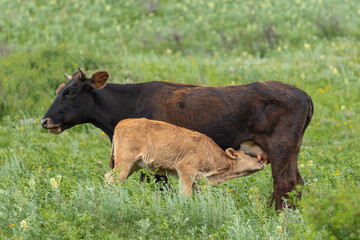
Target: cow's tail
(309, 114)
(112, 159)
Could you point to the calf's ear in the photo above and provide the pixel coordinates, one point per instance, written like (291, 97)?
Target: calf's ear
(232, 153)
(98, 79)
(59, 88)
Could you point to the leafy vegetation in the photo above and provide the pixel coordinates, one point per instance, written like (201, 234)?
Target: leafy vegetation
(51, 186)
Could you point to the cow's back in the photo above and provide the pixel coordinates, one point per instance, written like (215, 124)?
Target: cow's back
(227, 114)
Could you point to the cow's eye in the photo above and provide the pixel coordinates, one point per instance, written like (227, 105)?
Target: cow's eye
(71, 93)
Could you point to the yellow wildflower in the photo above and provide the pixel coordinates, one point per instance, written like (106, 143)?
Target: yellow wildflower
(24, 226)
(58, 179)
(335, 71)
(12, 225)
(53, 183)
(279, 228)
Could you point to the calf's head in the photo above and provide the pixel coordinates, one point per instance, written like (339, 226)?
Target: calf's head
(244, 164)
(74, 101)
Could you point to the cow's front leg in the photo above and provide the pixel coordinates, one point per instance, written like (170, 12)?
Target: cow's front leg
(144, 177)
(158, 178)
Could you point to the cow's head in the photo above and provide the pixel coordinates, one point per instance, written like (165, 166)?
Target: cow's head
(74, 101)
(244, 164)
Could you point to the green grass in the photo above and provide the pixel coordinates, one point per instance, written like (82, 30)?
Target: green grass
(310, 44)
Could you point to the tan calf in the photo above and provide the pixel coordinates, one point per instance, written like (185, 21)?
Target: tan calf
(189, 155)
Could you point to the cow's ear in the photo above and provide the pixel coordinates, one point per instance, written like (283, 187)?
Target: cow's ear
(59, 88)
(232, 153)
(98, 79)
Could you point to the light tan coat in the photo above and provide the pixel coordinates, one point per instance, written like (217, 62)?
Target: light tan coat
(168, 149)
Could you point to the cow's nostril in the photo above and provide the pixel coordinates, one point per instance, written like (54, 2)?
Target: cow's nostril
(44, 122)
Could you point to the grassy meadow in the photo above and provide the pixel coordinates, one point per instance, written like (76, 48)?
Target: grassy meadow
(52, 186)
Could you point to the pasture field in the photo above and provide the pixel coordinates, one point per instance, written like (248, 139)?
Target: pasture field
(52, 186)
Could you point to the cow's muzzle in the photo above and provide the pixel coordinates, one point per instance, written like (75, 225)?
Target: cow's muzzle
(48, 124)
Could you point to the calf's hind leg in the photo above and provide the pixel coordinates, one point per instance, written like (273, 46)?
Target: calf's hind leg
(185, 181)
(123, 172)
(124, 166)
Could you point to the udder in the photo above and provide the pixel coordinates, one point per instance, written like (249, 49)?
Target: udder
(252, 149)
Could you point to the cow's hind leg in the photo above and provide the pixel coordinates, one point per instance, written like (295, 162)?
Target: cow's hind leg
(285, 181)
(285, 172)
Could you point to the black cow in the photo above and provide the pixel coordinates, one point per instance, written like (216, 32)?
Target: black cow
(272, 114)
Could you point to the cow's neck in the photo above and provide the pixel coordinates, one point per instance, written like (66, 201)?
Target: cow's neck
(113, 103)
